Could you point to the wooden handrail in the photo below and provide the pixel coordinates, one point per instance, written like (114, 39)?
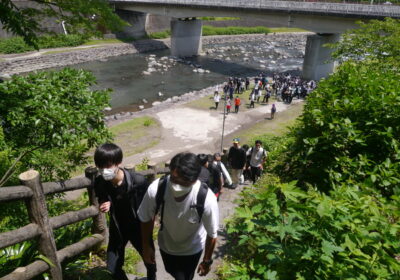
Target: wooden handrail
(18, 235)
(33, 192)
(73, 217)
(14, 193)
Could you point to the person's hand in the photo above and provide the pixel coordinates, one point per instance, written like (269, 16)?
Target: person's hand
(261, 167)
(105, 206)
(203, 269)
(149, 255)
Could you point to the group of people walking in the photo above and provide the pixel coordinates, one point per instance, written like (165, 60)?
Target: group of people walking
(283, 86)
(185, 200)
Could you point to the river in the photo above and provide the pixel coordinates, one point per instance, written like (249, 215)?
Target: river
(156, 76)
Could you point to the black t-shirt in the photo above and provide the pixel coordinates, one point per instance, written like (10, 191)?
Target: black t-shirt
(122, 206)
(215, 177)
(204, 176)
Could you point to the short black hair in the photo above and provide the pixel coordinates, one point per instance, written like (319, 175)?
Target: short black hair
(187, 165)
(107, 154)
(203, 158)
(217, 155)
(258, 142)
(245, 147)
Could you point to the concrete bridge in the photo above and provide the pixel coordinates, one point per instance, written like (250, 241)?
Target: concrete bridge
(328, 20)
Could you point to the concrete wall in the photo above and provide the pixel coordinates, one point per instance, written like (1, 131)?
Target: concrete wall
(156, 23)
(49, 23)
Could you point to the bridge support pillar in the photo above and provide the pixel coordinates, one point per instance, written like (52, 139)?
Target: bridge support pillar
(316, 63)
(185, 37)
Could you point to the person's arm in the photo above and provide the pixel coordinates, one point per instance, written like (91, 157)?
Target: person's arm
(146, 213)
(101, 194)
(147, 241)
(205, 265)
(221, 182)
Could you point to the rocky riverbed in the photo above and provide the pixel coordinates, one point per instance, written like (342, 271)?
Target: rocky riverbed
(22, 63)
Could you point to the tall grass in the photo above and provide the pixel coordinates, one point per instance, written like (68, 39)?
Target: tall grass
(234, 30)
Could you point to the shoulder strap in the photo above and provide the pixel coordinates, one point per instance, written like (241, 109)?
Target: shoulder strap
(200, 200)
(162, 186)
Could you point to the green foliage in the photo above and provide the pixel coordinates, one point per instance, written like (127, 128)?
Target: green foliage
(233, 30)
(282, 232)
(14, 215)
(18, 45)
(55, 117)
(376, 40)
(159, 35)
(211, 30)
(349, 130)
(80, 16)
(143, 165)
(219, 18)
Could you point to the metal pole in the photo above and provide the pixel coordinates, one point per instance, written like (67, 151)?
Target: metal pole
(223, 123)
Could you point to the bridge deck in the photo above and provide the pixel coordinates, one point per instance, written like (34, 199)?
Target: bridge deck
(293, 7)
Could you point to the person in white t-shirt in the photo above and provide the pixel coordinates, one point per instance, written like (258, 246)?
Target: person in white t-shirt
(217, 98)
(182, 236)
(258, 156)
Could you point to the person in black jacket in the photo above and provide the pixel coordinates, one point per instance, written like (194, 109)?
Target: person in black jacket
(117, 191)
(237, 161)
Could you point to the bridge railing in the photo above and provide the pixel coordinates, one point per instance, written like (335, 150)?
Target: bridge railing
(285, 5)
(41, 226)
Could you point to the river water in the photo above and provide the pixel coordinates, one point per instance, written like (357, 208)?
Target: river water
(156, 76)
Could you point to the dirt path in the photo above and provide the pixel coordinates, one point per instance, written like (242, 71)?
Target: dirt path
(199, 131)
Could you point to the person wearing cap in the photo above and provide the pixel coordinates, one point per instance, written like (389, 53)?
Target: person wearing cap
(237, 161)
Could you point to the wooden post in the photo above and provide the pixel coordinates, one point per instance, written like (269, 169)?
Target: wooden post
(99, 221)
(130, 167)
(152, 166)
(38, 214)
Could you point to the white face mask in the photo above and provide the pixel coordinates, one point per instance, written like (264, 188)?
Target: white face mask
(108, 173)
(179, 190)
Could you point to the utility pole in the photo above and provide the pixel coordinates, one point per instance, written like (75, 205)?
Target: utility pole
(223, 123)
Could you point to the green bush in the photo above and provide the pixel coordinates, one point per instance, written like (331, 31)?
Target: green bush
(349, 130)
(282, 232)
(17, 44)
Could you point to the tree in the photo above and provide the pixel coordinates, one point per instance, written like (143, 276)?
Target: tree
(51, 119)
(349, 130)
(81, 16)
(375, 41)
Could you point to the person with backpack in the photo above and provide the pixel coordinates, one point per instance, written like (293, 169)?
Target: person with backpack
(258, 157)
(119, 193)
(217, 161)
(189, 219)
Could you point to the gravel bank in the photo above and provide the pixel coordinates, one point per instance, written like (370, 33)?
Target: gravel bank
(17, 64)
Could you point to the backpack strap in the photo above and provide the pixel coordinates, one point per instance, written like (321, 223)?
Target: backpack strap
(200, 200)
(162, 186)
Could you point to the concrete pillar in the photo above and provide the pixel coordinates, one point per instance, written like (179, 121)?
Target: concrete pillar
(317, 62)
(137, 21)
(185, 37)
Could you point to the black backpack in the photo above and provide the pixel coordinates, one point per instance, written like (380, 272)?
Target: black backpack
(200, 200)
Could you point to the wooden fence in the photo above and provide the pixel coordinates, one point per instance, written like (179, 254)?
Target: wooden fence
(33, 191)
